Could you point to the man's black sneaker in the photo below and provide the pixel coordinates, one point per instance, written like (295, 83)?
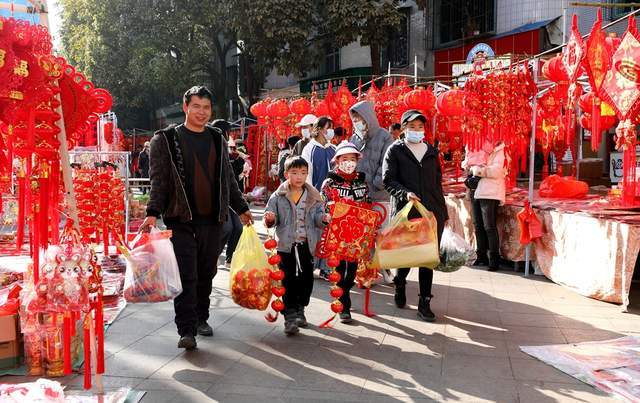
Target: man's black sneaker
(301, 320)
(204, 329)
(187, 342)
(290, 327)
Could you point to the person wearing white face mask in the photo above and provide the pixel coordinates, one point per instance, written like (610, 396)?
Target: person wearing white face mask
(344, 182)
(411, 171)
(319, 151)
(305, 124)
(372, 141)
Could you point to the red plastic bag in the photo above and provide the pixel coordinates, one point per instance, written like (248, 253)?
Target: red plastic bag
(563, 187)
(152, 270)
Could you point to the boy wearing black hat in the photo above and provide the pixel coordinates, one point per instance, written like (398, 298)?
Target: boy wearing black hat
(411, 172)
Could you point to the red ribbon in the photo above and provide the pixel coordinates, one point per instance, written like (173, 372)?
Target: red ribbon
(67, 343)
(87, 355)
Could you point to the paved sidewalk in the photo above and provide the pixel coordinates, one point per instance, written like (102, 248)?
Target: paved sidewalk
(470, 355)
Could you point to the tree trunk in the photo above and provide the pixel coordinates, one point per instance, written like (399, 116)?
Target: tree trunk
(375, 59)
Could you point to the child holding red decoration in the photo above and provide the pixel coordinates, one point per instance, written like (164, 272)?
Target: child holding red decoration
(297, 212)
(344, 183)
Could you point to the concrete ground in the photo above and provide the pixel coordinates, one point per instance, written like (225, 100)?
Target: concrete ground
(471, 354)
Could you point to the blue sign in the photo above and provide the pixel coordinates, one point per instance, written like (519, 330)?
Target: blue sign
(481, 47)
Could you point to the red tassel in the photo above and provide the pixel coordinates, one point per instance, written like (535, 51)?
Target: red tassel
(367, 300)
(22, 198)
(327, 323)
(74, 320)
(105, 233)
(43, 217)
(35, 244)
(596, 131)
(100, 335)
(87, 357)
(270, 317)
(67, 343)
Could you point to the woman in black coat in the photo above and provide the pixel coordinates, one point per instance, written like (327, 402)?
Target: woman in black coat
(411, 171)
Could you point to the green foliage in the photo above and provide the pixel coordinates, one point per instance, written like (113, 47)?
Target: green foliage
(148, 52)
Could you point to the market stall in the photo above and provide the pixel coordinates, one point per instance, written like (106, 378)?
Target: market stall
(63, 205)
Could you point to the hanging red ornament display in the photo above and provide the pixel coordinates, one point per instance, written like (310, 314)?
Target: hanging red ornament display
(621, 88)
(276, 276)
(420, 99)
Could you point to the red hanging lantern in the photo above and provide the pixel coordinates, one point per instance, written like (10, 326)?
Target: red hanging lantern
(259, 109)
(278, 109)
(555, 71)
(585, 121)
(300, 106)
(420, 99)
(451, 103)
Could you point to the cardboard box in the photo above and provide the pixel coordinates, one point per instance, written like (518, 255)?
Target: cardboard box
(10, 354)
(9, 328)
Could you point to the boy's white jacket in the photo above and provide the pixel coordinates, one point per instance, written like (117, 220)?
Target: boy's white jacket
(284, 209)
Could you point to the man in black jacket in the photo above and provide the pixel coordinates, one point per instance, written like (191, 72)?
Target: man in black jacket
(192, 188)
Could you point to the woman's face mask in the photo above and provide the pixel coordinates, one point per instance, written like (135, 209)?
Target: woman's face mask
(413, 136)
(329, 134)
(306, 133)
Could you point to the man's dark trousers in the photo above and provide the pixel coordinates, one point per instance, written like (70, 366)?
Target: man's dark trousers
(197, 248)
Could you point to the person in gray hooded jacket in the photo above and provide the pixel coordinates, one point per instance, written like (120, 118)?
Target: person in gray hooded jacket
(372, 141)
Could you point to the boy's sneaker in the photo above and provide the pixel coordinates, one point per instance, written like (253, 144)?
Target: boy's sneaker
(301, 320)
(290, 327)
(188, 342)
(345, 317)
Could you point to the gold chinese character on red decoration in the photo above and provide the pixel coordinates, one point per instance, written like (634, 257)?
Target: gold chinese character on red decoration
(22, 69)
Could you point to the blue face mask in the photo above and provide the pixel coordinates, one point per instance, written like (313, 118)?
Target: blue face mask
(413, 136)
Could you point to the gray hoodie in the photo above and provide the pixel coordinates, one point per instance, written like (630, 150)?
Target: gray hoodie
(373, 146)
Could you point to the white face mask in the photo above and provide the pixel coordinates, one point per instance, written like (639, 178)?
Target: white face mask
(414, 136)
(329, 134)
(359, 126)
(306, 133)
(348, 167)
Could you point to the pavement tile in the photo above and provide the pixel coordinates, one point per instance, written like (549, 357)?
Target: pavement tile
(523, 319)
(471, 366)
(525, 334)
(534, 370)
(195, 366)
(155, 345)
(542, 392)
(477, 347)
(134, 365)
(582, 335)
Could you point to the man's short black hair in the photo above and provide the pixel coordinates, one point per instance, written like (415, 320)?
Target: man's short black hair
(295, 162)
(395, 126)
(199, 91)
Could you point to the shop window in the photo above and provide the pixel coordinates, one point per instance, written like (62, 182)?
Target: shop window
(331, 59)
(463, 19)
(617, 12)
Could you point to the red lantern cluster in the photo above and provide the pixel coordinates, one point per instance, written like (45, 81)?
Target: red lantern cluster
(100, 200)
(276, 276)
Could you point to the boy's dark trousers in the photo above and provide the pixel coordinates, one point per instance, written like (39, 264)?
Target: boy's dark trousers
(347, 272)
(197, 249)
(298, 277)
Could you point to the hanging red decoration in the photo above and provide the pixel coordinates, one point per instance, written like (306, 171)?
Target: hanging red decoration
(300, 106)
(420, 99)
(621, 88)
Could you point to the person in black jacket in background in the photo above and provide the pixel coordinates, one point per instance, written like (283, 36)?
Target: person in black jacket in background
(411, 171)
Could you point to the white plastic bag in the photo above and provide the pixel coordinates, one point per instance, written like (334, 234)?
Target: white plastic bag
(152, 269)
(455, 252)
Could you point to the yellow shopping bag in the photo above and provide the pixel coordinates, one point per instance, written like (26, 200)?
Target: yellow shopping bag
(409, 242)
(249, 279)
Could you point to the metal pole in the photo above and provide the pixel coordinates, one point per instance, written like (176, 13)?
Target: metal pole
(564, 24)
(415, 69)
(532, 155)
